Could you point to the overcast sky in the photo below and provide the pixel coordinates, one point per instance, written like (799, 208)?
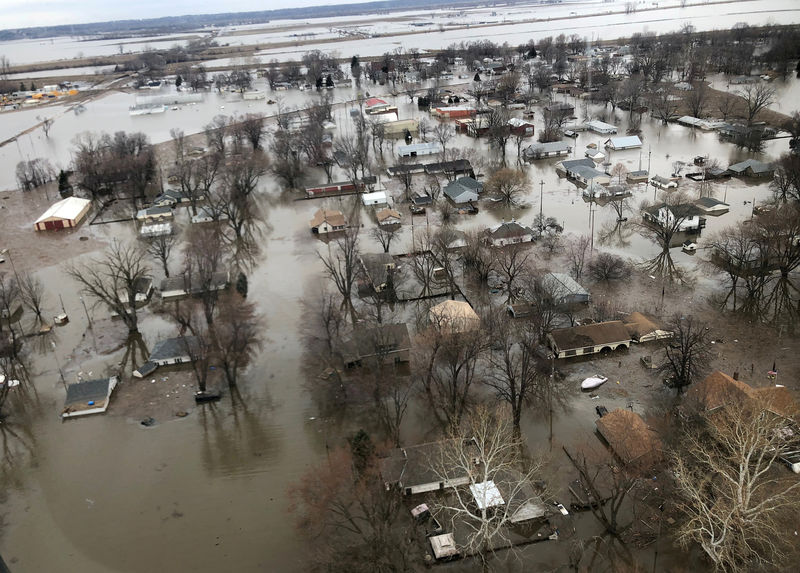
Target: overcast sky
(28, 13)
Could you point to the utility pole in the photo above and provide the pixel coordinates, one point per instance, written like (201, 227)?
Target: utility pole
(541, 204)
(83, 302)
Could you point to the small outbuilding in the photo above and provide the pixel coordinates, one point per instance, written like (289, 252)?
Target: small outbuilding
(376, 198)
(388, 216)
(64, 214)
(630, 438)
(454, 315)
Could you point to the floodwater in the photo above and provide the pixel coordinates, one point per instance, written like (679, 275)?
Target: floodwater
(208, 492)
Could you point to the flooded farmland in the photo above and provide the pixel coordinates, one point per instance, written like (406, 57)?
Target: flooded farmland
(208, 491)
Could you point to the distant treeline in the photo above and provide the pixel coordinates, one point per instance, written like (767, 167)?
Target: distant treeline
(171, 24)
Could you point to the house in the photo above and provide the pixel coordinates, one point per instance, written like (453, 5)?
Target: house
(583, 170)
(620, 143)
(454, 112)
(64, 214)
(170, 198)
(421, 199)
(686, 215)
(594, 154)
(405, 169)
(417, 149)
(473, 127)
(175, 351)
(142, 291)
(88, 397)
(637, 176)
(663, 182)
(327, 221)
(711, 206)
(413, 469)
(718, 390)
(509, 233)
(400, 127)
(178, 287)
(443, 546)
(378, 268)
(600, 127)
(706, 125)
(589, 339)
(752, 168)
(388, 216)
(645, 328)
(520, 309)
(456, 168)
(455, 316)
(463, 190)
(382, 343)
(376, 198)
(739, 132)
(374, 106)
(560, 109)
(154, 214)
(542, 150)
(520, 127)
(561, 289)
(630, 438)
(208, 215)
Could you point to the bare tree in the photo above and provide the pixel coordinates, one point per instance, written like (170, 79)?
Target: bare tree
(726, 105)
(734, 500)
(160, 248)
(487, 451)
(204, 260)
(113, 280)
(216, 133)
(608, 267)
(662, 222)
(757, 97)
(341, 265)
(31, 291)
(178, 143)
(577, 249)
(508, 185)
(696, 99)
(443, 133)
(687, 352)
(384, 234)
(252, 126)
(511, 263)
(237, 334)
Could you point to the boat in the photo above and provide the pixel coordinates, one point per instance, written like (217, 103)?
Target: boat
(61, 319)
(593, 382)
(689, 246)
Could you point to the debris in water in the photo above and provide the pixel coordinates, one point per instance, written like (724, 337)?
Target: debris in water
(147, 422)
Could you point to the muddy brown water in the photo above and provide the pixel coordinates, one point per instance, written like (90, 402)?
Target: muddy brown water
(208, 492)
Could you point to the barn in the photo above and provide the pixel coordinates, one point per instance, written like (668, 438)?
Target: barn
(64, 214)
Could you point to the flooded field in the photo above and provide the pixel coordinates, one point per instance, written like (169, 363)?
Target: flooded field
(208, 492)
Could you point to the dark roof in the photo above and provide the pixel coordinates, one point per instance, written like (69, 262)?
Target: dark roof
(459, 165)
(570, 164)
(218, 280)
(683, 210)
(414, 465)
(174, 348)
(509, 229)
(709, 202)
(590, 335)
(406, 168)
(90, 390)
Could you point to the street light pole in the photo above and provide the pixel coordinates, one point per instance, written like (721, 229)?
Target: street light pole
(541, 204)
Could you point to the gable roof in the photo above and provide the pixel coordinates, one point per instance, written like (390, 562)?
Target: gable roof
(69, 208)
(590, 335)
(509, 229)
(718, 389)
(387, 213)
(625, 141)
(640, 324)
(754, 164)
(89, 390)
(174, 348)
(571, 164)
(454, 314)
(333, 218)
(561, 285)
(630, 437)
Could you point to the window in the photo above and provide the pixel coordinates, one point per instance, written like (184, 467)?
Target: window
(588, 350)
(569, 353)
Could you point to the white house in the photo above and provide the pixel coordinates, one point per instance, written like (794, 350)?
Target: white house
(327, 221)
(376, 198)
(620, 143)
(600, 127)
(509, 233)
(663, 182)
(552, 149)
(688, 217)
(175, 350)
(415, 149)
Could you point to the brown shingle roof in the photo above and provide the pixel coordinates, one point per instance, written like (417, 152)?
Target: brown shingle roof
(334, 218)
(719, 389)
(590, 335)
(639, 325)
(630, 438)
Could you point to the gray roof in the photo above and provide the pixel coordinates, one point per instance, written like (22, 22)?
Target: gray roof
(509, 229)
(625, 141)
(174, 348)
(87, 391)
(550, 147)
(754, 164)
(380, 340)
(710, 202)
(218, 280)
(461, 193)
(560, 285)
(587, 172)
(414, 465)
(571, 164)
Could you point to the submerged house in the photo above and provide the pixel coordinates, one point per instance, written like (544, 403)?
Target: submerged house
(327, 221)
(645, 328)
(687, 217)
(509, 233)
(598, 126)
(589, 339)
(630, 438)
(176, 350)
(751, 168)
(584, 171)
(384, 343)
(181, 286)
(378, 268)
(663, 182)
(626, 142)
(64, 214)
(561, 289)
(89, 397)
(412, 469)
(463, 190)
(544, 150)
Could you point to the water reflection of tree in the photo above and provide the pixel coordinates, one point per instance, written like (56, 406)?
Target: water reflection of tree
(134, 347)
(17, 406)
(236, 438)
(615, 234)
